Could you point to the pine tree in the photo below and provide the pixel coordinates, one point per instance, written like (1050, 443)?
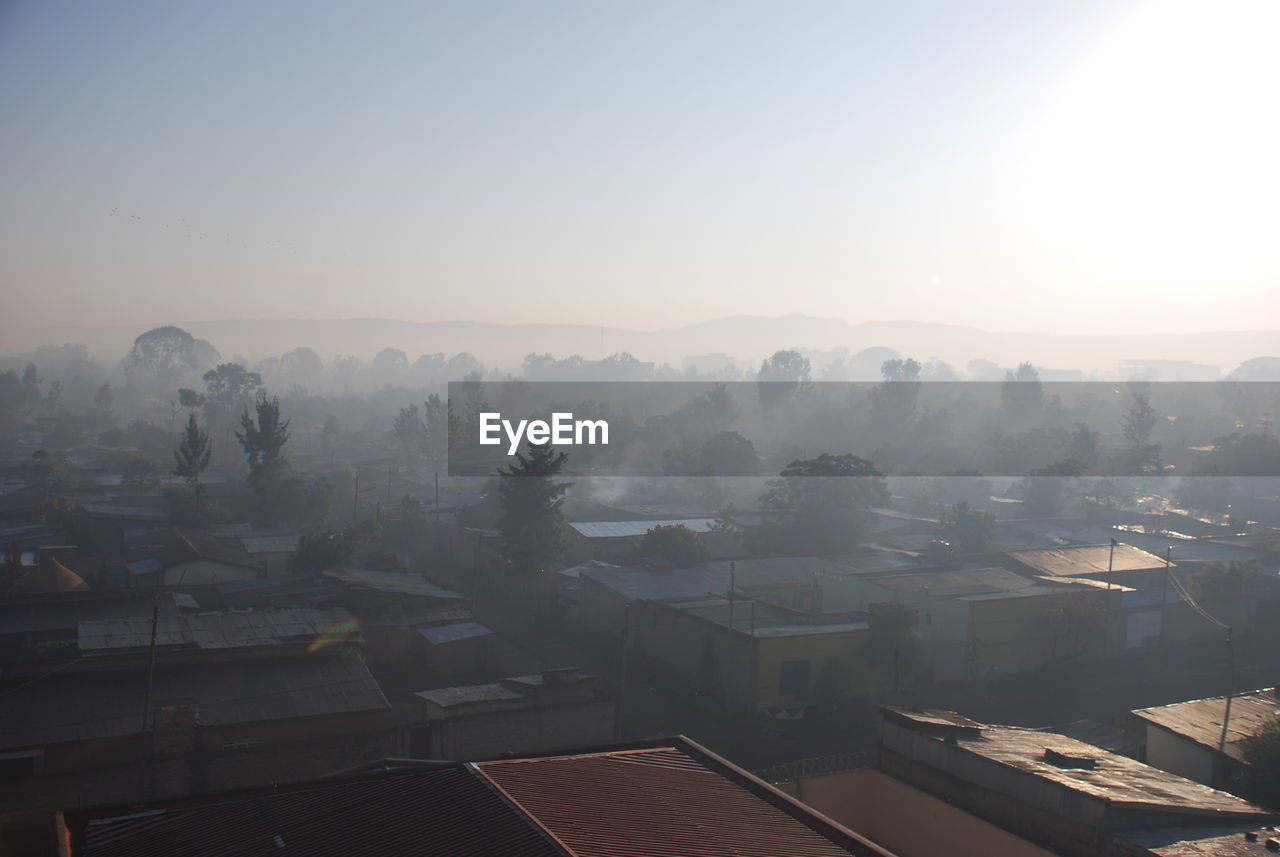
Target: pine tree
(192, 455)
(264, 442)
(532, 522)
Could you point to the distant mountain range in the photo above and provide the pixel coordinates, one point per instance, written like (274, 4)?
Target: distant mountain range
(746, 338)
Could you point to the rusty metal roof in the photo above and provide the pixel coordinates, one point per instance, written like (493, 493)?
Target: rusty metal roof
(668, 797)
(1200, 720)
(444, 813)
(662, 801)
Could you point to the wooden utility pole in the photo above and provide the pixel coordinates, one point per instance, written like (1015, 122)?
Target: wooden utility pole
(146, 704)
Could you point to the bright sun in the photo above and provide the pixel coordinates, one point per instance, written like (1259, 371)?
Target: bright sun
(1162, 155)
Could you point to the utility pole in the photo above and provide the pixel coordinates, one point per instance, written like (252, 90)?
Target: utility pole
(1164, 591)
(146, 704)
(355, 499)
(622, 673)
(1231, 689)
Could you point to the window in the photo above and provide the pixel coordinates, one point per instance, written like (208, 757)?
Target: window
(793, 678)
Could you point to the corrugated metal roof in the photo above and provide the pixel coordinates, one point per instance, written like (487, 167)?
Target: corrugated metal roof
(391, 581)
(1087, 559)
(652, 803)
(449, 812)
(138, 513)
(1200, 720)
(1121, 781)
(271, 544)
(88, 706)
(978, 581)
(1101, 735)
(713, 578)
(671, 799)
(64, 611)
(441, 634)
(631, 529)
(210, 630)
(446, 697)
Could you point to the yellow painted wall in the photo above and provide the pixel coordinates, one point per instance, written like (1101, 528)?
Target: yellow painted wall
(820, 650)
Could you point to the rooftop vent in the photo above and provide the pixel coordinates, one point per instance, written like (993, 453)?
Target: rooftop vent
(564, 675)
(1063, 760)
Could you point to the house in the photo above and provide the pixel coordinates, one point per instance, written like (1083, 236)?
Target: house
(274, 553)
(797, 582)
(618, 541)
(1201, 739)
(980, 621)
(658, 797)
(237, 720)
(1061, 795)
(39, 632)
(180, 559)
(1150, 600)
(552, 711)
(106, 528)
(766, 658)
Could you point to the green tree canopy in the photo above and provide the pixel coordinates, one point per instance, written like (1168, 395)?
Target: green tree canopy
(263, 441)
(192, 455)
(532, 522)
(677, 544)
(820, 505)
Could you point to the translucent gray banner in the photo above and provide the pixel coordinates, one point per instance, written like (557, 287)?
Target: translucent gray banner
(903, 428)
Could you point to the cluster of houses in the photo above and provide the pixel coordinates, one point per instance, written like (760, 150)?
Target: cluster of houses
(144, 663)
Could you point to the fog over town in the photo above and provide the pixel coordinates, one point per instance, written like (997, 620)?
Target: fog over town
(592, 429)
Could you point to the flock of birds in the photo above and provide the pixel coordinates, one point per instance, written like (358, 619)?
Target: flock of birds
(185, 225)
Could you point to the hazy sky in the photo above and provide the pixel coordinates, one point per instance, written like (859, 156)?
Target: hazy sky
(1086, 165)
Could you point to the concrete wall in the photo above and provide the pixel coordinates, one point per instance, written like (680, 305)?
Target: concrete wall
(1177, 755)
(535, 729)
(907, 821)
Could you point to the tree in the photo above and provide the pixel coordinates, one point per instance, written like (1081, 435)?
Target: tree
(438, 419)
(970, 530)
(193, 453)
(104, 414)
(1261, 773)
(1136, 425)
(532, 523)
(230, 384)
(322, 550)
(264, 442)
(893, 403)
(167, 353)
(1083, 445)
(187, 506)
(190, 399)
(301, 365)
(730, 454)
(820, 504)
(140, 471)
(409, 431)
(677, 544)
(1021, 393)
(780, 375)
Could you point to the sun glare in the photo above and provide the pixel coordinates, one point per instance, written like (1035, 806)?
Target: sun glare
(1161, 154)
